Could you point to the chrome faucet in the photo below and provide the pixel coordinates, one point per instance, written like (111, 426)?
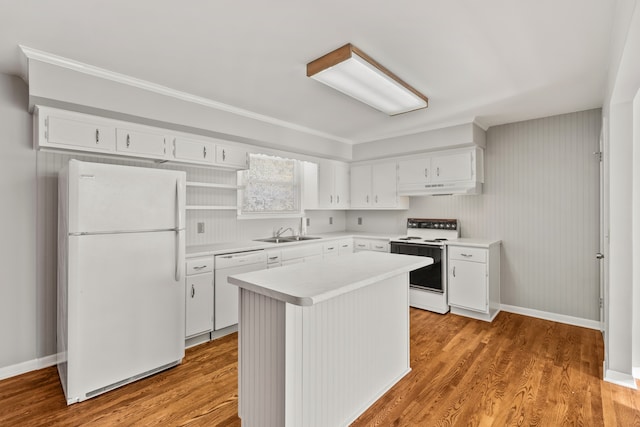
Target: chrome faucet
(280, 231)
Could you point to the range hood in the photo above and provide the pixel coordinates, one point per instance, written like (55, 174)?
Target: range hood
(440, 189)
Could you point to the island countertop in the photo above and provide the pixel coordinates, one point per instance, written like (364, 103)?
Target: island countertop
(312, 282)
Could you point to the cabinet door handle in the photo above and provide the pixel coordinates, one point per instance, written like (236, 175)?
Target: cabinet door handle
(97, 136)
(367, 199)
(331, 198)
(438, 171)
(454, 271)
(193, 291)
(224, 155)
(337, 199)
(426, 173)
(376, 199)
(128, 140)
(204, 152)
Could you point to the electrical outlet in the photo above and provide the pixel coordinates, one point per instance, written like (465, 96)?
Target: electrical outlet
(201, 227)
(330, 220)
(359, 220)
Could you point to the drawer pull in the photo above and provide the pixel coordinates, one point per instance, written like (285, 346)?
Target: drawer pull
(331, 248)
(199, 267)
(97, 136)
(128, 140)
(467, 255)
(454, 271)
(273, 257)
(193, 291)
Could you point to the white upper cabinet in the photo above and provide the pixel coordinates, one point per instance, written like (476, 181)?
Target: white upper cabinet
(333, 185)
(141, 143)
(361, 186)
(457, 171)
(68, 130)
(232, 157)
(374, 186)
(452, 167)
(193, 150)
(414, 170)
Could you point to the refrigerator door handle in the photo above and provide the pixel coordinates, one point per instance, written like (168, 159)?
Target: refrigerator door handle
(180, 201)
(179, 254)
(180, 242)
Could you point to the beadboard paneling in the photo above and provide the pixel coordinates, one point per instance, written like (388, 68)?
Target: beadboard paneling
(541, 198)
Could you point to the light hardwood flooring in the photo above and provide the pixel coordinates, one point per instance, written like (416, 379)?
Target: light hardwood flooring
(515, 371)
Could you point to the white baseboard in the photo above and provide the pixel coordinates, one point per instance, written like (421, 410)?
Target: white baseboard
(28, 366)
(560, 318)
(619, 378)
(636, 373)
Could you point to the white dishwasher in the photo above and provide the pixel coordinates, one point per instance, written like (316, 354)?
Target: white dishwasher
(225, 299)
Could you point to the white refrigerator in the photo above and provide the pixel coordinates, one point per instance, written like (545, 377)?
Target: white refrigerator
(121, 296)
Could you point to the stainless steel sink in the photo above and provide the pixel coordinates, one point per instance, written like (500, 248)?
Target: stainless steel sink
(275, 240)
(287, 239)
(300, 238)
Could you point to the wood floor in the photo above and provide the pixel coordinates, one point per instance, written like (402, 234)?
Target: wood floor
(515, 371)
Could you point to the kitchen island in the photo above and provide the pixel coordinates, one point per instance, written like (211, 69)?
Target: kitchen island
(319, 342)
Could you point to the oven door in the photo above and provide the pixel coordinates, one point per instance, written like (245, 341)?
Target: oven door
(426, 278)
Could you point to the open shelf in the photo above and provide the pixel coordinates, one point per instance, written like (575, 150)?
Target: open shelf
(209, 185)
(210, 208)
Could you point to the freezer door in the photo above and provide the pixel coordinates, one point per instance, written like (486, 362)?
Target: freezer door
(125, 309)
(114, 198)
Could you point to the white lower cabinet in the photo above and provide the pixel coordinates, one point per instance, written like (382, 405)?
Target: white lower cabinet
(474, 281)
(199, 295)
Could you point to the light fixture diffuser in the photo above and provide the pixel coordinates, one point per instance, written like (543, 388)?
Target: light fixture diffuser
(354, 73)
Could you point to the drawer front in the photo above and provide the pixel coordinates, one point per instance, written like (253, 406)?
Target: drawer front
(199, 265)
(468, 254)
(273, 257)
(380, 246)
(345, 246)
(330, 248)
(361, 245)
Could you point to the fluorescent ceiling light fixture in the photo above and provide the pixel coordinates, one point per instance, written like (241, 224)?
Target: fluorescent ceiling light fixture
(354, 73)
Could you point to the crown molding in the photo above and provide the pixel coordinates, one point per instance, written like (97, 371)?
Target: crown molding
(49, 58)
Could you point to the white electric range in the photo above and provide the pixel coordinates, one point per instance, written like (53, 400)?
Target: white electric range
(426, 237)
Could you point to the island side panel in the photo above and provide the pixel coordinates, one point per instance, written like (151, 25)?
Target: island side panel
(355, 347)
(261, 370)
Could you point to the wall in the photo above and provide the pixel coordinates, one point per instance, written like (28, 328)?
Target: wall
(109, 94)
(541, 198)
(18, 244)
(621, 333)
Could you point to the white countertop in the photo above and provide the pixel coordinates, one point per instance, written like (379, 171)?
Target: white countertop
(251, 245)
(478, 243)
(312, 282)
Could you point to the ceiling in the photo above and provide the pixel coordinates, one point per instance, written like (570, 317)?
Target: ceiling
(491, 61)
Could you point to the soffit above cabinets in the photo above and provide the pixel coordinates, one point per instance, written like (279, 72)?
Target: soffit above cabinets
(491, 62)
